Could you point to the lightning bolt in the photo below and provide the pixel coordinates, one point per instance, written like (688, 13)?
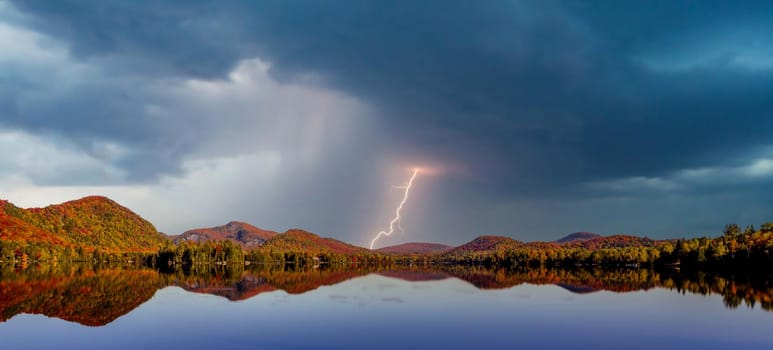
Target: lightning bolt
(396, 220)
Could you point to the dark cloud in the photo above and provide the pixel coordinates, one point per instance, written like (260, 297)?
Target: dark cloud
(174, 37)
(632, 28)
(7, 103)
(552, 94)
(530, 92)
(534, 99)
(687, 120)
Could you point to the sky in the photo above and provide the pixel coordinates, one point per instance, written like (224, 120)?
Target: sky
(530, 119)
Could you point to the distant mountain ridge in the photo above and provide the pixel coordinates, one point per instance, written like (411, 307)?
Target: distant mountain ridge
(242, 233)
(414, 248)
(578, 236)
(96, 222)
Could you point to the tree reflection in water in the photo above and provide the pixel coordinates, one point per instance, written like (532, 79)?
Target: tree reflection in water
(97, 295)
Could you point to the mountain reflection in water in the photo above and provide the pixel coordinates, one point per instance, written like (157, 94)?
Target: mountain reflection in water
(96, 296)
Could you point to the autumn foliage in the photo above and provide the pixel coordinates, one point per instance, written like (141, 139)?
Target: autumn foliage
(84, 229)
(96, 229)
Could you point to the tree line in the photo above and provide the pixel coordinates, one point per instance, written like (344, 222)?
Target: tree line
(736, 248)
(748, 248)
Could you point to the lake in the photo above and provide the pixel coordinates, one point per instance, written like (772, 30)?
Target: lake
(451, 307)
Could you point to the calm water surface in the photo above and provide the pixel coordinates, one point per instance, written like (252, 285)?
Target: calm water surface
(116, 308)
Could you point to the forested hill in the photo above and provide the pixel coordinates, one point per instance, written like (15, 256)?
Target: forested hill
(242, 233)
(297, 240)
(98, 229)
(85, 224)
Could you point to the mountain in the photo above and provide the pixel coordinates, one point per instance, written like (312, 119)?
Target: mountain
(89, 222)
(485, 244)
(244, 234)
(414, 248)
(297, 240)
(578, 236)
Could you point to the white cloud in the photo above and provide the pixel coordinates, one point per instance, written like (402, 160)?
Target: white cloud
(210, 192)
(36, 59)
(83, 126)
(51, 159)
(185, 118)
(241, 140)
(760, 169)
(25, 46)
(251, 110)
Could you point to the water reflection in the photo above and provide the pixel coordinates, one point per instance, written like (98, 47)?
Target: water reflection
(95, 296)
(91, 297)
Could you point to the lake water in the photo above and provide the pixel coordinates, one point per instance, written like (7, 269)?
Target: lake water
(360, 308)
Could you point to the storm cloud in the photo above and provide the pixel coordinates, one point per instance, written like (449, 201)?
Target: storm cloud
(547, 116)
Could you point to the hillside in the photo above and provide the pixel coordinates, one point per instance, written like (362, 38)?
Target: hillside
(14, 228)
(90, 222)
(244, 234)
(414, 248)
(97, 229)
(578, 237)
(303, 241)
(616, 241)
(485, 244)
